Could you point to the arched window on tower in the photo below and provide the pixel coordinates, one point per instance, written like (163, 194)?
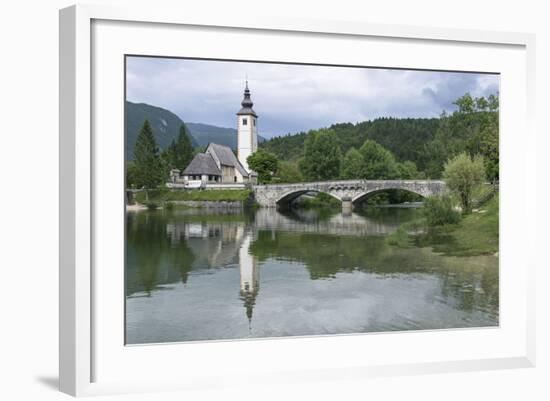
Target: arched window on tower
(245, 121)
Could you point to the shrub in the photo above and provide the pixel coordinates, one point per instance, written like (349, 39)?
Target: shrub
(169, 205)
(288, 172)
(440, 210)
(463, 175)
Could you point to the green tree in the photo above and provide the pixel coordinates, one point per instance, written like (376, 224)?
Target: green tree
(466, 104)
(131, 175)
(167, 159)
(182, 149)
(179, 153)
(263, 163)
(352, 164)
(463, 175)
(322, 156)
(489, 140)
(436, 152)
(489, 149)
(288, 172)
(473, 129)
(407, 170)
(493, 102)
(378, 162)
(148, 166)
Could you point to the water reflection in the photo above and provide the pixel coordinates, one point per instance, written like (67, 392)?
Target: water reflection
(194, 275)
(250, 283)
(372, 223)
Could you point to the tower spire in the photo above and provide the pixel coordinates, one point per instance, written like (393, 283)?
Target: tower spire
(247, 102)
(247, 134)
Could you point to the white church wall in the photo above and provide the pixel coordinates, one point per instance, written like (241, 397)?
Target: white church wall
(245, 141)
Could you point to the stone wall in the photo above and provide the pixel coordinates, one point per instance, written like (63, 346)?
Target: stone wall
(211, 204)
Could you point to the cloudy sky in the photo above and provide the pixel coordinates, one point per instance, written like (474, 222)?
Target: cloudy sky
(293, 98)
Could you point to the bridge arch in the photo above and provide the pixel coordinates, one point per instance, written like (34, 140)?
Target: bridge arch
(361, 197)
(288, 197)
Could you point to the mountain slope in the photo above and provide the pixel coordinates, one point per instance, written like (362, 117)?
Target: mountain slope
(404, 137)
(165, 124)
(205, 133)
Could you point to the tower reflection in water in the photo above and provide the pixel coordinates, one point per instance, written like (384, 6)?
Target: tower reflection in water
(250, 282)
(195, 275)
(217, 245)
(225, 244)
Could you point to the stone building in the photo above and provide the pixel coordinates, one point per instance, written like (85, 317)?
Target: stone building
(218, 164)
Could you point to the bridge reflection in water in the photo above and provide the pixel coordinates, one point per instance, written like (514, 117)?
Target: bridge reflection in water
(348, 224)
(226, 241)
(192, 275)
(222, 244)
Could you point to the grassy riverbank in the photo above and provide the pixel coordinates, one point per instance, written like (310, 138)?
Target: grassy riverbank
(212, 195)
(476, 234)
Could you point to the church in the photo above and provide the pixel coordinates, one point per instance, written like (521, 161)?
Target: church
(218, 164)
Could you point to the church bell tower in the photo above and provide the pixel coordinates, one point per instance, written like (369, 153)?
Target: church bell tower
(247, 134)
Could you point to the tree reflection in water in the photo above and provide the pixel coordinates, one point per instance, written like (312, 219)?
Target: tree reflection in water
(193, 247)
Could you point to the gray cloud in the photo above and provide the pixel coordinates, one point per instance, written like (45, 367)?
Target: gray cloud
(292, 98)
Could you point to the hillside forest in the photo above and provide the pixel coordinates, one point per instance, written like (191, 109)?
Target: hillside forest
(391, 148)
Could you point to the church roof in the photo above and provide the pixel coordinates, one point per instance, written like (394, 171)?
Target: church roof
(202, 163)
(247, 103)
(226, 157)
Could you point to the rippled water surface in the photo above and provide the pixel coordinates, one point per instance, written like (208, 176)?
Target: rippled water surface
(198, 275)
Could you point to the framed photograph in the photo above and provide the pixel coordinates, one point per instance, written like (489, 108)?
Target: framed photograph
(282, 200)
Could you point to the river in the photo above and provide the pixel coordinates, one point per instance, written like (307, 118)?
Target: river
(194, 275)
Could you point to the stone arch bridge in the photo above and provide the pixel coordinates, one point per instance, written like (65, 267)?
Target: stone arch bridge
(350, 192)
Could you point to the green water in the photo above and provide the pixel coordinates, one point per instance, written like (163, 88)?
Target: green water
(199, 275)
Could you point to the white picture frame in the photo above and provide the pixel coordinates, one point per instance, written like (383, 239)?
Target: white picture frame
(82, 343)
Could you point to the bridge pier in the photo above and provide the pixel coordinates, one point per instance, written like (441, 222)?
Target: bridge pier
(347, 206)
(130, 197)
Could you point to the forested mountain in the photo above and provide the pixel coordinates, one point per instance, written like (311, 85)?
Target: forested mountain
(166, 126)
(405, 138)
(391, 147)
(164, 123)
(205, 133)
